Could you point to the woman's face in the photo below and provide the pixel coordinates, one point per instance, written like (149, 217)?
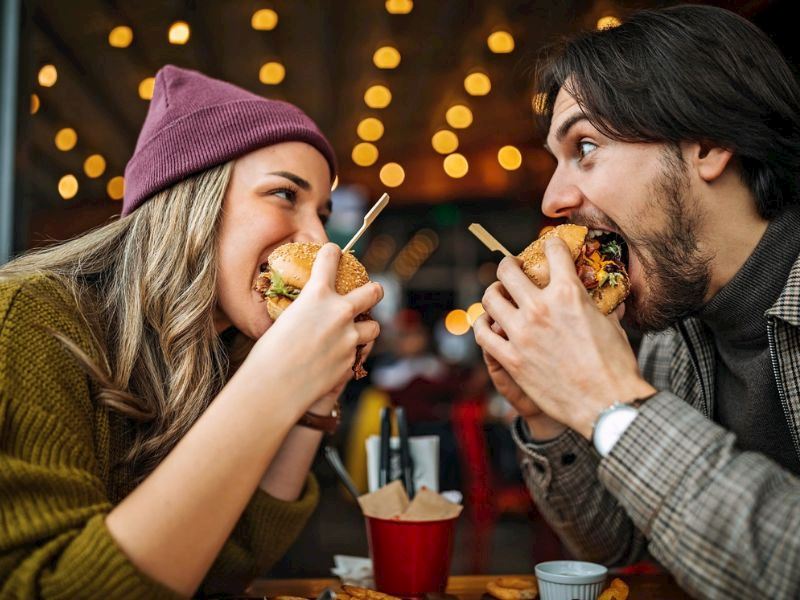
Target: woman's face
(277, 194)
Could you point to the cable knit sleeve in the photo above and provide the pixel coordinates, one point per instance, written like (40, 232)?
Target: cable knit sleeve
(53, 500)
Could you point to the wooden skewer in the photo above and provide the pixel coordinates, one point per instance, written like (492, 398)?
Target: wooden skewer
(368, 219)
(488, 239)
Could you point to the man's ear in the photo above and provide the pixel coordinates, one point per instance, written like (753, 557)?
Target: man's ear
(709, 160)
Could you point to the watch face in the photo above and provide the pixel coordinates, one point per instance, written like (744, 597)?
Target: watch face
(610, 426)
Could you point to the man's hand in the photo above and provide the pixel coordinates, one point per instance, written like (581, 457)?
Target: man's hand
(559, 349)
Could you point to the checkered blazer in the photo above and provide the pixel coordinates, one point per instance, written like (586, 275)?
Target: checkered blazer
(726, 523)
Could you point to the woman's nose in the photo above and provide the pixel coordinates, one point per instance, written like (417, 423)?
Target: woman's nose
(311, 229)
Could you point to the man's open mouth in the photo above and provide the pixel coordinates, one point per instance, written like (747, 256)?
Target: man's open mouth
(603, 260)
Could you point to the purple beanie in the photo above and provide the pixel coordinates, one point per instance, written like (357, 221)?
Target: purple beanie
(195, 122)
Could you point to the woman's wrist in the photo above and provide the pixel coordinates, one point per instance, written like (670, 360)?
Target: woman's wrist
(543, 428)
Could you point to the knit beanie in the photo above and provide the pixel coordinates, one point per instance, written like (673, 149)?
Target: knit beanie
(196, 122)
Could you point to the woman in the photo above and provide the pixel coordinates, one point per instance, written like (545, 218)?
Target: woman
(148, 405)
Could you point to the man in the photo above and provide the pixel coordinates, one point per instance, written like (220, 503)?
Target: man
(680, 131)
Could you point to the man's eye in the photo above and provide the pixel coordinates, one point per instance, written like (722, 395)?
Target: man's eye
(585, 148)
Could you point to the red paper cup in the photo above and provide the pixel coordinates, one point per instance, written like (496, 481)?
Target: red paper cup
(410, 558)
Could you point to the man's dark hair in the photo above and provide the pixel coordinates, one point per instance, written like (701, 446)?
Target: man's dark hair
(689, 74)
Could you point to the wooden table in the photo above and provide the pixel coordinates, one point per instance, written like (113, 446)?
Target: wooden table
(469, 587)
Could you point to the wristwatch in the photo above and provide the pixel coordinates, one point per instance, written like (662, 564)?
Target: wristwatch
(612, 423)
(327, 423)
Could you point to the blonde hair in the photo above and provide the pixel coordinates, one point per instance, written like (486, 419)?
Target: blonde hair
(145, 285)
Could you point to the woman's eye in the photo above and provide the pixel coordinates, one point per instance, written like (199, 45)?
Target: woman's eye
(286, 194)
(584, 148)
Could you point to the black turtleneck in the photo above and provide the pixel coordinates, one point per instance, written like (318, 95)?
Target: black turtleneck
(746, 394)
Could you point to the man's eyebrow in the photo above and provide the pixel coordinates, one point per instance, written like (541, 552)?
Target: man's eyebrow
(296, 179)
(564, 128)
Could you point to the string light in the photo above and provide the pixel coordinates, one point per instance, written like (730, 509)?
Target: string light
(456, 165)
(377, 96)
(392, 174)
(510, 158)
(48, 75)
(457, 322)
(179, 33)
(265, 19)
(399, 7)
(539, 103)
(608, 22)
(68, 187)
(271, 73)
(120, 37)
(500, 42)
(116, 187)
(364, 154)
(66, 139)
(146, 87)
(473, 312)
(370, 129)
(386, 57)
(34, 104)
(94, 166)
(477, 84)
(444, 141)
(458, 116)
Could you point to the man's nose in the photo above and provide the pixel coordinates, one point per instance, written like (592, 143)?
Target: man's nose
(561, 198)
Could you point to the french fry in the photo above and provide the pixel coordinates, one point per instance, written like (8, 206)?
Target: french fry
(617, 590)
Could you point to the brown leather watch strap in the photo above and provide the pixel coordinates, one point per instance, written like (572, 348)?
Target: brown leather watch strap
(327, 423)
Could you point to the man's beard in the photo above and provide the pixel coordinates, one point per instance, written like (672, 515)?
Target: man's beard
(675, 271)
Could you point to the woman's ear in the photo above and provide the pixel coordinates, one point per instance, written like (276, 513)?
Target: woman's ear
(709, 160)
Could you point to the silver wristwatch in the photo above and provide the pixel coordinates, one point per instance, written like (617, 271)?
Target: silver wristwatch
(610, 425)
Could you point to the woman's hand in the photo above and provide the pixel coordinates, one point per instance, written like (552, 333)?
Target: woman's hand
(310, 350)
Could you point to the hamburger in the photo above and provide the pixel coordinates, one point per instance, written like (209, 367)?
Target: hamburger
(287, 270)
(599, 262)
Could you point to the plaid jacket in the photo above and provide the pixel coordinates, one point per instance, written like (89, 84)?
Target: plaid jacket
(725, 523)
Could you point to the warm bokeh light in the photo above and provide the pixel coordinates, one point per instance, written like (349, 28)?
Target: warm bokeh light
(365, 154)
(539, 103)
(399, 7)
(444, 141)
(271, 73)
(66, 139)
(501, 42)
(510, 158)
(474, 311)
(386, 57)
(456, 165)
(608, 22)
(378, 96)
(265, 19)
(456, 322)
(335, 183)
(179, 33)
(35, 104)
(94, 166)
(48, 75)
(68, 186)
(370, 129)
(477, 84)
(392, 174)
(458, 116)
(120, 37)
(116, 187)
(146, 88)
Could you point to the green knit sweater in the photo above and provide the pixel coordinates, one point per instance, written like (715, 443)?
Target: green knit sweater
(59, 452)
